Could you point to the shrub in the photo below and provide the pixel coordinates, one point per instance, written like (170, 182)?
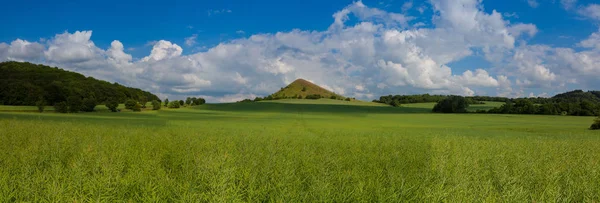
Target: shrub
(112, 105)
(130, 103)
(174, 105)
(452, 104)
(347, 99)
(596, 124)
(61, 107)
(74, 103)
(304, 89)
(313, 96)
(88, 104)
(137, 107)
(396, 103)
(155, 105)
(41, 104)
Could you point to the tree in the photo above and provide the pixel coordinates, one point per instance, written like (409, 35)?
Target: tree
(143, 101)
(452, 104)
(181, 102)
(88, 104)
(166, 102)
(174, 105)
(155, 105)
(112, 105)
(61, 107)
(188, 101)
(304, 89)
(74, 103)
(41, 104)
(200, 101)
(596, 124)
(137, 107)
(130, 103)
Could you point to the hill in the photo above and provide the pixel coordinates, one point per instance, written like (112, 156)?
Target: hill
(24, 83)
(303, 88)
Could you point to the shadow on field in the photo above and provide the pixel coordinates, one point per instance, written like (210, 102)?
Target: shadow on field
(311, 108)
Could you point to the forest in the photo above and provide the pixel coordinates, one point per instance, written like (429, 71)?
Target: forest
(28, 84)
(575, 103)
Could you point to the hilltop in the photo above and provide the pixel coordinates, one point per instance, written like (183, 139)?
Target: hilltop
(304, 89)
(23, 83)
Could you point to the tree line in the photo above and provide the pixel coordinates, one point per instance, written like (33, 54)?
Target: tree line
(28, 84)
(574, 103)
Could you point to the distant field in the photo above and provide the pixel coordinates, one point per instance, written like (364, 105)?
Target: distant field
(326, 101)
(297, 152)
(472, 108)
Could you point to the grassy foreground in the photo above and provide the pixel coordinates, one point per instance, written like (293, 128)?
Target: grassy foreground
(288, 152)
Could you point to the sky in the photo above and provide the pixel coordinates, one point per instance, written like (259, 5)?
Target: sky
(229, 50)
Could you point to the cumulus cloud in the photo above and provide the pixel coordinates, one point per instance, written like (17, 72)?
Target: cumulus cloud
(381, 53)
(21, 50)
(163, 50)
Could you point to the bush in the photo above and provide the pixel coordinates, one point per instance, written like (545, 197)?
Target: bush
(137, 107)
(155, 105)
(112, 105)
(130, 103)
(41, 104)
(347, 99)
(174, 105)
(313, 96)
(88, 104)
(452, 104)
(596, 124)
(74, 103)
(61, 107)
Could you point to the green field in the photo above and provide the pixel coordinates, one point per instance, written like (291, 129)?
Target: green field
(291, 151)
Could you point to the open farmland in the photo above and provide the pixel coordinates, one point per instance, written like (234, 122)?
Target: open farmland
(289, 152)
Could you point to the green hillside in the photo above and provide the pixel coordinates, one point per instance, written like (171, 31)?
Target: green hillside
(303, 88)
(24, 84)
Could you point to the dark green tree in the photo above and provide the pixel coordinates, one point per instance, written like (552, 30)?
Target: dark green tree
(452, 104)
(74, 103)
(130, 103)
(188, 101)
(596, 124)
(166, 102)
(174, 104)
(89, 104)
(181, 102)
(112, 105)
(155, 105)
(61, 107)
(137, 107)
(143, 101)
(41, 104)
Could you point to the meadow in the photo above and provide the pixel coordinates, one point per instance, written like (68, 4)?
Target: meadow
(291, 151)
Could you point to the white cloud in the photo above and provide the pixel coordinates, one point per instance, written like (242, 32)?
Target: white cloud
(191, 40)
(568, 4)
(593, 41)
(591, 11)
(407, 6)
(21, 50)
(163, 50)
(72, 48)
(212, 12)
(240, 32)
(533, 3)
(519, 28)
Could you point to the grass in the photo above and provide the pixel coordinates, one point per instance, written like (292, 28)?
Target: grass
(290, 152)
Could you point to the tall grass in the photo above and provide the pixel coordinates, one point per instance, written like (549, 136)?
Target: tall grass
(226, 156)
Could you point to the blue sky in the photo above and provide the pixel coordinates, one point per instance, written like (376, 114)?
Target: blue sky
(228, 50)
